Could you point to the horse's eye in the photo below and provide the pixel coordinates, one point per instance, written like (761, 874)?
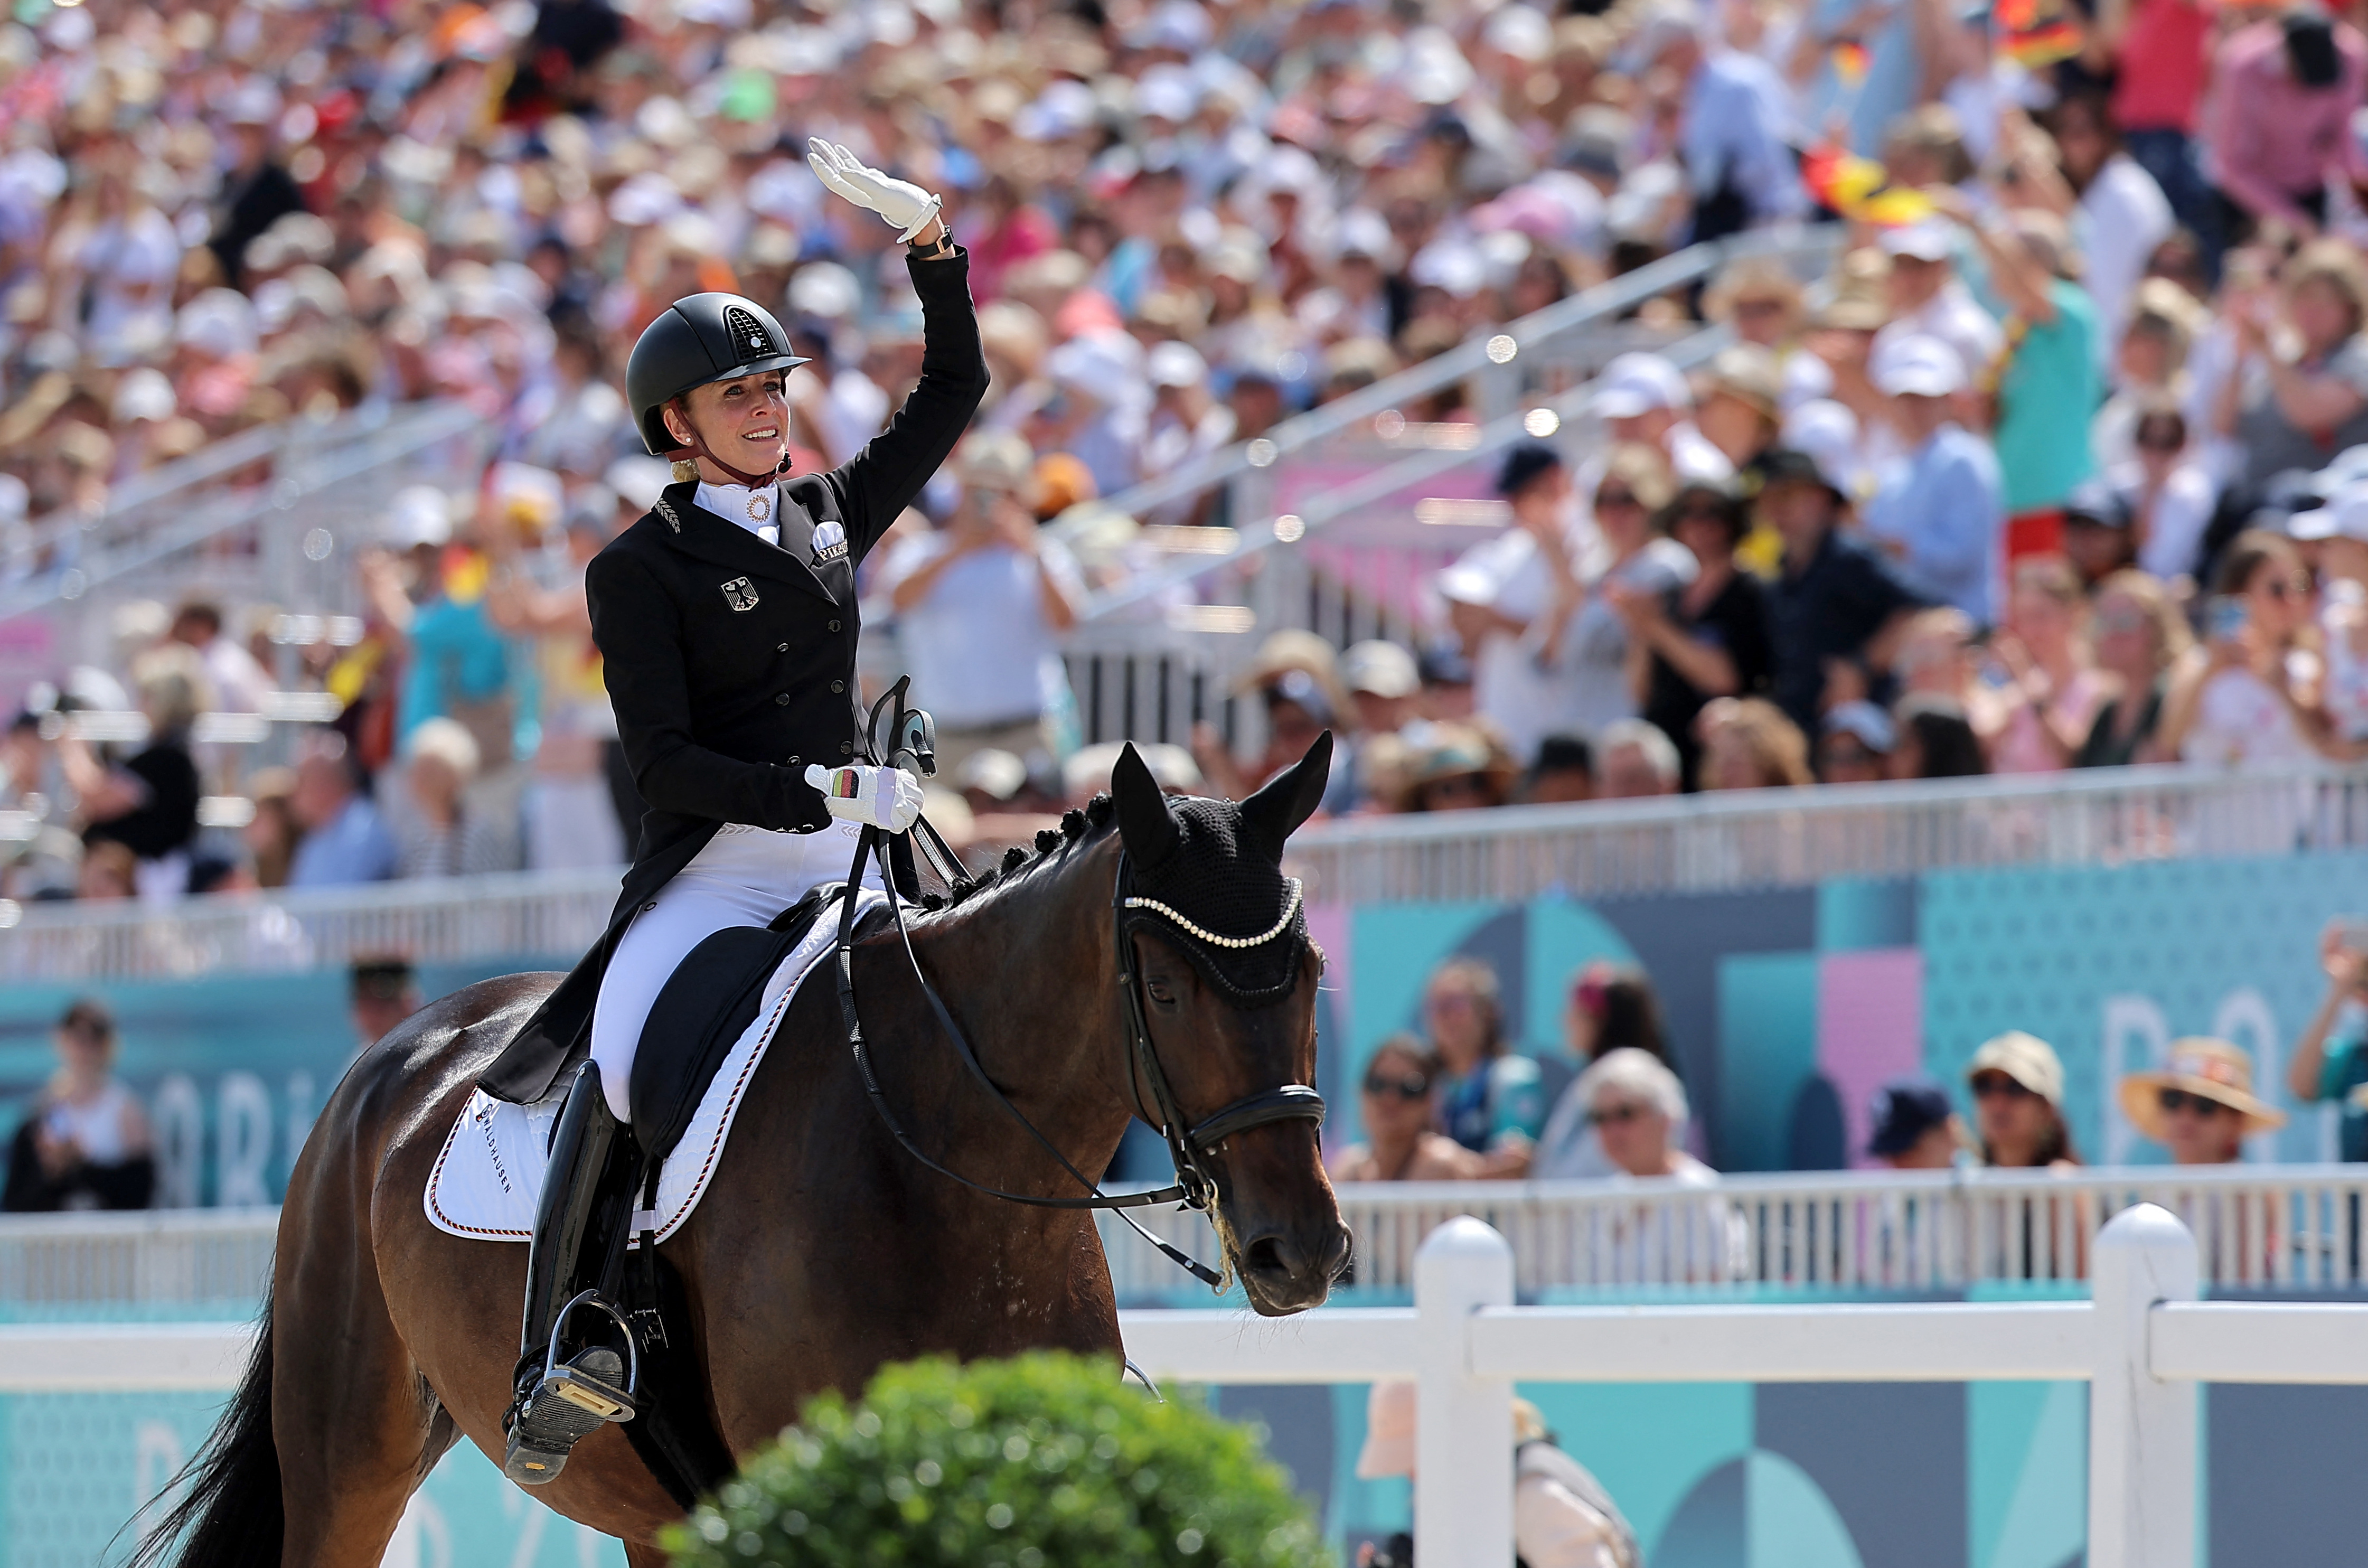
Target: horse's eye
(1160, 992)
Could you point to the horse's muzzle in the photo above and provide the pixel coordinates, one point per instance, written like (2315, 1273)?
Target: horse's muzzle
(1287, 1270)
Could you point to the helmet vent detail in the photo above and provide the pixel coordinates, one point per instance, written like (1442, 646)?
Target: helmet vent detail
(749, 338)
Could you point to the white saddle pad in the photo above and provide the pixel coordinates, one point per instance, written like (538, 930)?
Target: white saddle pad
(488, 1180)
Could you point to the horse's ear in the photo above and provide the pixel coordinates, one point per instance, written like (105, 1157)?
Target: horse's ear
(1289, 798)
(1143, 824)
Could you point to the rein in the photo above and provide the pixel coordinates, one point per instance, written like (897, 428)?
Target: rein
(1188, 1143)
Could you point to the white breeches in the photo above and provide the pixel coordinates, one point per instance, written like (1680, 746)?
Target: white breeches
(745, 877)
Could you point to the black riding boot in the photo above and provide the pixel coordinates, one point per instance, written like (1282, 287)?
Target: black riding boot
(579, 1228)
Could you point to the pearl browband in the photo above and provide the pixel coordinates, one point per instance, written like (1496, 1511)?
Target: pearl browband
(1290, 908)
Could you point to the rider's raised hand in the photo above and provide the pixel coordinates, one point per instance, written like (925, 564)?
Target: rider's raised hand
(907, 207)
(878, 797)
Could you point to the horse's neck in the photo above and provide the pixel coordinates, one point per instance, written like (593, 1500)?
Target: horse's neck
(1029, 972)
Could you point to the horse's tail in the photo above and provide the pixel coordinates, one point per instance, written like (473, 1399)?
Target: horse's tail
(229, 1515)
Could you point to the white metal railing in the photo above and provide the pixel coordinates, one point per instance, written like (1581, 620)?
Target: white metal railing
(2143, 1345)
(1338, 519)
(2270, 1228)
(1765, 838)
(2258, 1227)
(321, 471)
(1713, 843)
(159, 1259)
(545, 915)
(1498, 361)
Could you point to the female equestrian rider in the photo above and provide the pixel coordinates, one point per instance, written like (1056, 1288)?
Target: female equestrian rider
(726, 619)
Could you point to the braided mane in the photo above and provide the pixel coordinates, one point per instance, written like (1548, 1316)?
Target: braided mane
(1077, 823)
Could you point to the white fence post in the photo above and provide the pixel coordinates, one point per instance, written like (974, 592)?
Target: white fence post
(1464, 1425)
(2141, 1428)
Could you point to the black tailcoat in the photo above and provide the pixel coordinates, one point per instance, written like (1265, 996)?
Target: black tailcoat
(731, 664)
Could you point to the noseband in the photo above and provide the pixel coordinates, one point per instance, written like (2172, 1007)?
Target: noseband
(1190, 1144)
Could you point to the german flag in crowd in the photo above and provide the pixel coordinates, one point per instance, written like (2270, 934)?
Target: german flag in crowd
(1859, 188)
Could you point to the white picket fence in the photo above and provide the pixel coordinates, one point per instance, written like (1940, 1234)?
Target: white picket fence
(2257, 1227)
(2143, 1344)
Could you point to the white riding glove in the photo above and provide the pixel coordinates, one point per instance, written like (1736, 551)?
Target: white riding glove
(907, 207)
(879, 797)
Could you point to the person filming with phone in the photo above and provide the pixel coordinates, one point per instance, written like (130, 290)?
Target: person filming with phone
(2253, 697)
(2336, 1071)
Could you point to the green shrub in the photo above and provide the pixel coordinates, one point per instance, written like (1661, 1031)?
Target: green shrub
(1047, 1460)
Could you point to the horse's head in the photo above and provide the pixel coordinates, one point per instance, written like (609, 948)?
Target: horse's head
(1228, 981)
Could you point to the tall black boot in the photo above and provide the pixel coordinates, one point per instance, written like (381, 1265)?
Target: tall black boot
(579, 1228)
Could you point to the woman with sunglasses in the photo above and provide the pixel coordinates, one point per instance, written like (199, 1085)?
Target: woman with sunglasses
(1611, 1007)
(2200, 1104)
(2018, 1085)
(2254, 696)
(1395, 1110)
(2140, 639)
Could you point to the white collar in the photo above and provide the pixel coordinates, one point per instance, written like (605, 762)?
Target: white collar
(739, 504)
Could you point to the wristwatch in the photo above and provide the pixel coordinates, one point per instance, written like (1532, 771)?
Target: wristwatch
(942, 250)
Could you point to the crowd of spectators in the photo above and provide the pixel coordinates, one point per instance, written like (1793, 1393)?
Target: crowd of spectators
(2063, 463)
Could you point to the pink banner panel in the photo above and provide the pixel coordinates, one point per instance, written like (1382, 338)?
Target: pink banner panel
(1870, 1028)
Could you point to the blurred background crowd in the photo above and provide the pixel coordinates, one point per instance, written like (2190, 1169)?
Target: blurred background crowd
(2059, 464)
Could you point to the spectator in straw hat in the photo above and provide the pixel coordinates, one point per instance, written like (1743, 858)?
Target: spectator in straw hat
(2018, 1085)
(2200, 1104)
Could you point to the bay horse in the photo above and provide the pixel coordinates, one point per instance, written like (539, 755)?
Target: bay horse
(822, 1250)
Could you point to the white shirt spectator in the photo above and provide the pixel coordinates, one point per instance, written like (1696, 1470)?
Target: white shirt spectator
(2121, 218)
(1957, 319)
(978, 646)
(1510, 687)
(2183, 510)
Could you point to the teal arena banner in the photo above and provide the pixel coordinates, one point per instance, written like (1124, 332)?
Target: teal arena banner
(1786, 1008)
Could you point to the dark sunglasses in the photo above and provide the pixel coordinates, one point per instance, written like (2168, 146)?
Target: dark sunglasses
(1618, 1115)
(1413, 1086)
(1990, 1084)
(1604, 498)
(2158, 441)
(2173, 1101)
(1700, 515)
(1761, 307)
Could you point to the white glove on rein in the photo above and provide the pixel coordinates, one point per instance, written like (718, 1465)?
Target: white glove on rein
(878, 797)
(907, 207)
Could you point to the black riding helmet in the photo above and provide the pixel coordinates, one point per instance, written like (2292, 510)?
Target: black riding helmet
(699, 339)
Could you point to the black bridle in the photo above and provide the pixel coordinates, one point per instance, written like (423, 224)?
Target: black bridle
(1190, 1144)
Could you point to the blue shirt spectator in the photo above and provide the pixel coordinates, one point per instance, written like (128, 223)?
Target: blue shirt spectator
(1941, 513)
(345, 841)
(1737, 120)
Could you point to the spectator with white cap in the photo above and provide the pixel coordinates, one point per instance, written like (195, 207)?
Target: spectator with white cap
(1856, 745)
(1385, 686)
(1736, 120)
(1634, 760)
(1500, 592)
(1186, 423)
(1939, 511)
(2340, 528)
(1644, 398)
(1929, 300)
(979, 603)
(1099, 417)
